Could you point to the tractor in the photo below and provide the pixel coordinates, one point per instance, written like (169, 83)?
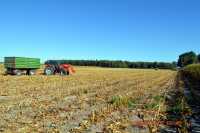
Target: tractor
(53, 67)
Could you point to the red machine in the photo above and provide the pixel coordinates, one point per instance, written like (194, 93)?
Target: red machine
(53, 67)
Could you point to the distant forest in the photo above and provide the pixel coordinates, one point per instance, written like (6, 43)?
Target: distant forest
(119, 64)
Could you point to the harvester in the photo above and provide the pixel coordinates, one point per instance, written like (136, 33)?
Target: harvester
(28, 66)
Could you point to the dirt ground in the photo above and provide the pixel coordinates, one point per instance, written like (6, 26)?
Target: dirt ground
(92, 100)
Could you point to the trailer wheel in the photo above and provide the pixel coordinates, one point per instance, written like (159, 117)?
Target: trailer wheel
(48, 71)
(17, 72)
(31, 72)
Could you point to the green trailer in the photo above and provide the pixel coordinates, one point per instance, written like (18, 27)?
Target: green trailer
(21, 65)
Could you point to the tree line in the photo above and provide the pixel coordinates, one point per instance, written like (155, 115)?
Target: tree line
(118, 64)
(188, 58)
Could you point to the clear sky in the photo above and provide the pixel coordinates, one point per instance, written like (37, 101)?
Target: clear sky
(135, 30)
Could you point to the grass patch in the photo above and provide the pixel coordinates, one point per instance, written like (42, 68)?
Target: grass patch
(119, 101)
(154, 104)
(192, 72)
(132, 103)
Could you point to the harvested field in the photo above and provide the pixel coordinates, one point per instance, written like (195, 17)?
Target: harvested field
(92, 100)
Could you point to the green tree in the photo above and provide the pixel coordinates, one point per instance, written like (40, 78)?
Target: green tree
(198, 58)
(116, 64)
(174, 63)
(187, 58)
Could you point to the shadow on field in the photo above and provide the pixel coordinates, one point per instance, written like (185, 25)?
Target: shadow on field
(183, 112)
(192, 93)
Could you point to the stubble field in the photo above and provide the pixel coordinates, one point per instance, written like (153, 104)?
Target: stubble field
(92, 100)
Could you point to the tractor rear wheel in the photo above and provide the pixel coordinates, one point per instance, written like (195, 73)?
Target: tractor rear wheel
(48, 71)
(63, 72)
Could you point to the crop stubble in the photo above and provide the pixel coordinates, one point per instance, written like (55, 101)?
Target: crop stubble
(92, 100)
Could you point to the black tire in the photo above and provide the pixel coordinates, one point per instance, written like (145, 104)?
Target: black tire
(63, 72)
(17, 72)
(31, 72)
(49, 71)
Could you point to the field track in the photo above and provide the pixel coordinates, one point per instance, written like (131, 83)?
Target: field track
(92, 100)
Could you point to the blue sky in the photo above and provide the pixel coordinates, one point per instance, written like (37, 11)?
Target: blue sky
(135, 30)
